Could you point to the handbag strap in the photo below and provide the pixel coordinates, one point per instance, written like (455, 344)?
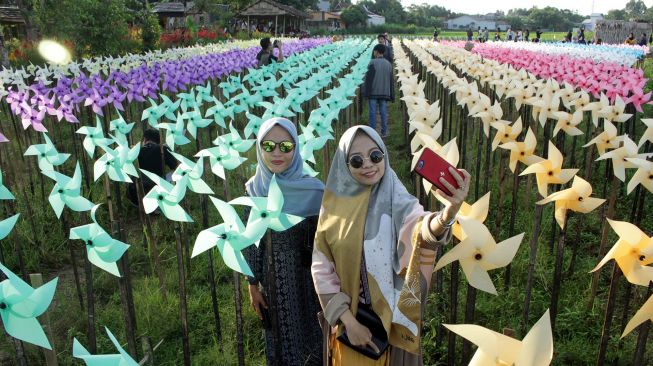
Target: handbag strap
(364, 296)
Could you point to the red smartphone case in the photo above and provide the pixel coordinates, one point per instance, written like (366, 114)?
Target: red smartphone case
(432, 167)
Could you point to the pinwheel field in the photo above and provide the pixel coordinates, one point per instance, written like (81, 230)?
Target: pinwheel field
(551, 256)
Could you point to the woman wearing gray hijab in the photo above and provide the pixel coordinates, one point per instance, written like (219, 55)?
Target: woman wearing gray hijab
(291, 288)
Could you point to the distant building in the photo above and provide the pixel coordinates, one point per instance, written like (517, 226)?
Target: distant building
(466, 21)
(590, 23)
(373, 19)
(324, 17)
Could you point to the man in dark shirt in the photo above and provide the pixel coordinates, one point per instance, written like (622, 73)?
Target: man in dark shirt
(149, 158)
(388, 54)
(266, 55)
(379, 87)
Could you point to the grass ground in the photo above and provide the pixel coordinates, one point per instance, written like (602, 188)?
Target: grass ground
(576, 338)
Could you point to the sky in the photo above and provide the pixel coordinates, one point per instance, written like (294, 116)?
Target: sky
(583, 7)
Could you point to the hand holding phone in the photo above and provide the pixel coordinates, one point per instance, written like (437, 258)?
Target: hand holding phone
(432, 167)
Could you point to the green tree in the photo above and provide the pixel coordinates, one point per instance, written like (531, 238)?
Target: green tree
(635, 9)
(616, 14)
(354, 16)
(300, 4)
(392, 10)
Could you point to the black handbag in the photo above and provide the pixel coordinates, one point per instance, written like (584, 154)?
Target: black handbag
(368, 318)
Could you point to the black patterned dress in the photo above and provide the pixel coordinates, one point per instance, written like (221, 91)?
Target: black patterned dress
(297, 303)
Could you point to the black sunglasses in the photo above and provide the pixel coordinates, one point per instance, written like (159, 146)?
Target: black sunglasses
(284, 146)
(356, 161)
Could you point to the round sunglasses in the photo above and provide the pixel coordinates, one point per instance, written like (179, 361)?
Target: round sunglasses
(284, 146)
(356, 161)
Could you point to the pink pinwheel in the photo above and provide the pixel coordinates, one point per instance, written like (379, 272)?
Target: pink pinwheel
(96, 102)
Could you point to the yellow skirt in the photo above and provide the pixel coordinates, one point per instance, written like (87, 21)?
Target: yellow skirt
(342, 355)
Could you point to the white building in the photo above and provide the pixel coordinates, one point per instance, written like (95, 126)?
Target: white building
(465, 22)
(590, 23)
(373, 19)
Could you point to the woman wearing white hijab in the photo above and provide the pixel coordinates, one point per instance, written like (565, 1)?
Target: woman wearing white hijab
(299, 334)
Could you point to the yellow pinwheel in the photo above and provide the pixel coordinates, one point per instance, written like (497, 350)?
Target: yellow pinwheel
(488, 114)
(506, 133)
(479, 253)
(596, 108)
(520, 93)
(648, 134)
(643, 175)
(522, 151)
(633, 252)
(577, 198)
(477, 211)
(621, 155)
(567, 122)
(550, 171)
(615, 112)
(643, 314)
(545, 106)
(494, 349)
(607, 139)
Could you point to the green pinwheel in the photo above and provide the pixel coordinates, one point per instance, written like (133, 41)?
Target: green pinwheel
(7, 225)
(220, 113)
(120, 126)
(195, 121)
(221, 158)
(66, 192)
(253, 125)
(166, 197)
(94, 137)
(229, 237)
(188, 100)
(321, 118)
(203, 93)
(102, 250)
(20, 304)
(231, 85)
(118, 163)
(266, 212)
(308, 144)
(268, 87)
(5, 194)
(47, 154)
(156, 111)
(118, 359)
(193, 171)
(176, 132)
(279, 108)
(233, 141)
(248, 101)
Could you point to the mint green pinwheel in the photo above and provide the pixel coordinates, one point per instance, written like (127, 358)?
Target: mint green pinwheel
(204, 93)
(266, 211)
(220, 113)
(118, 359)
(339, 97)
(231, 85)
(94, 137)
(195, 121)
(279, 108)
(253, 125)
(229, 237)
(120, 126)
(118, 163)
(267, 88)
(321, 118)
(7, 225)
(248, 101)
(234, 105)
(101, 249)
(47, 154)
(5, 194)
(66, 192)
(166, 197)
(156, 111)
(176, 132)
(308, 144)
(20, 304)
(193, 171)
(233, 141)
(187, 100)
(221, 158)
(295, 98)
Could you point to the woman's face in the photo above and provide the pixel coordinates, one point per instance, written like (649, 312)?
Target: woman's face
(370, 173)
(277, 161)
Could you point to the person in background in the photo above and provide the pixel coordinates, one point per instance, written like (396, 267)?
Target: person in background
(509, 34)
(630, 40)
(383, 40)
(485, 34)
(527, 35)
(538, 35)
(497, 35)
(295, 301)
(581, 36)
(470, 34)
(435, 35)
(643, 40)
(149, 158)
(266, 55)
(568, 37)
(379, 87)
(479, 34)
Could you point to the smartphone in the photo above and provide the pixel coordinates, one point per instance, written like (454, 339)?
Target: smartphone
(432, 167)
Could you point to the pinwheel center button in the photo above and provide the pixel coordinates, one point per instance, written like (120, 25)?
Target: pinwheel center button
(160, 197)
(264, 214)
(89, 243)
(60, 190)
(650, 176)
(580, 199)
(642, 257)
(3, 305)
(478, 256)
